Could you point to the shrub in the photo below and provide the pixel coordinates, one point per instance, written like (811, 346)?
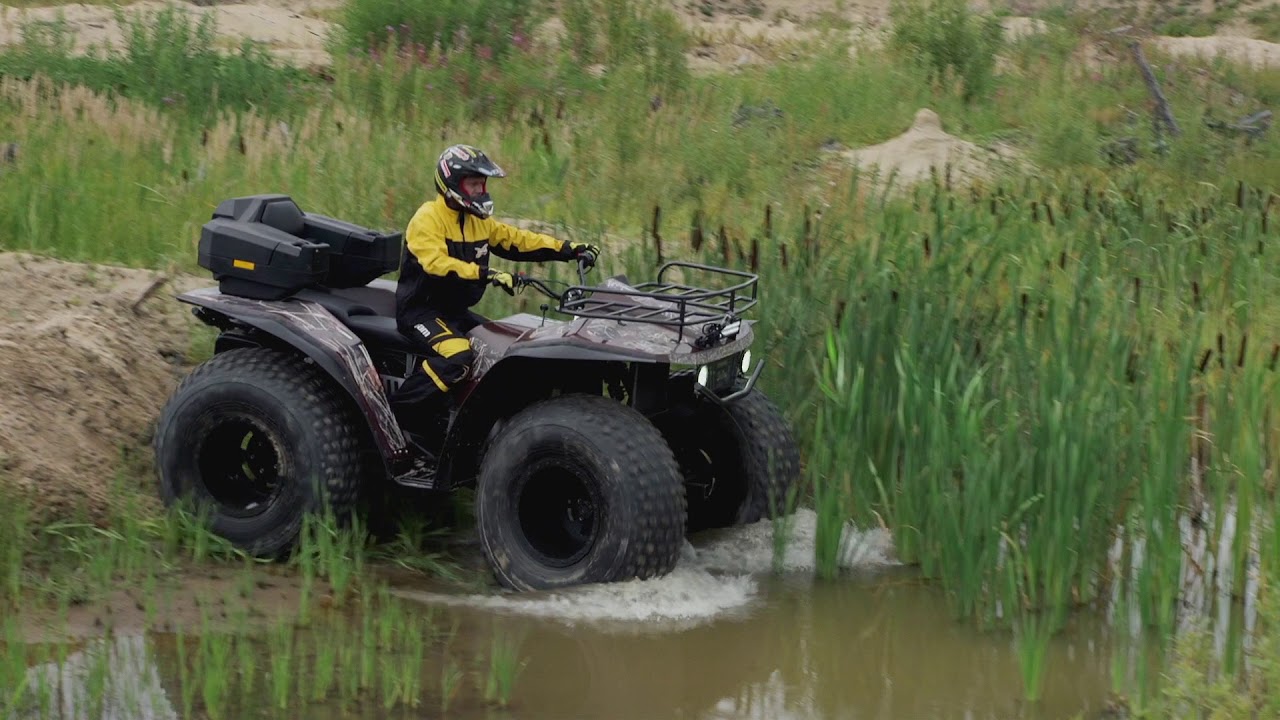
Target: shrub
(492, 26)
(949, 40)
(167, 59)
(628, 34)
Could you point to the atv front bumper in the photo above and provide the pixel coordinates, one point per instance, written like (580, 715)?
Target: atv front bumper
(728, 379)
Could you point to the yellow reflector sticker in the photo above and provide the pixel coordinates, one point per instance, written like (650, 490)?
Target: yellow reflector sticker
(243, 264)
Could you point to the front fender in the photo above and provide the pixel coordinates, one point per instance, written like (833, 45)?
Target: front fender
(312, 330)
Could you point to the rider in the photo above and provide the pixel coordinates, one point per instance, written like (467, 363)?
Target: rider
(444, 270)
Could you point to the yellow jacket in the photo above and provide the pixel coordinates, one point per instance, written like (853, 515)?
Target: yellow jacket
(446, 254)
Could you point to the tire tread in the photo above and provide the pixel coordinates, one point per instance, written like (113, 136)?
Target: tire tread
(655, 488)
(771, 455)
(315, 399)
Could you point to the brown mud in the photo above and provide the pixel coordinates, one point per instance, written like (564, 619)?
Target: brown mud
(215, 598)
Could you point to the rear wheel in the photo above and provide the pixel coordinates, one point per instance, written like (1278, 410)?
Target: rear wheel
(579, 489)
(258, 438)
(740, 461)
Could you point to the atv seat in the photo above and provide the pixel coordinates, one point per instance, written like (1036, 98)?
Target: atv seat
(378, 330)
(379, 295)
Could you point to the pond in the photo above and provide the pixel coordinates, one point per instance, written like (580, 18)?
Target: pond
(729, 634)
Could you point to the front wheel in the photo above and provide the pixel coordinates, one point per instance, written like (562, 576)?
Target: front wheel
(579, 489)
(740, 460)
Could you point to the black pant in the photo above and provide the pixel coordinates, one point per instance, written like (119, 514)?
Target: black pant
(442, 336)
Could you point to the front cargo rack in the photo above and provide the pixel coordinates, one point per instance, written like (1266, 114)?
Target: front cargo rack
(672, 304)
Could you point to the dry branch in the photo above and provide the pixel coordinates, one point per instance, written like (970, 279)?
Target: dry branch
(147, 292)
(1162, 105)
(1253, 125)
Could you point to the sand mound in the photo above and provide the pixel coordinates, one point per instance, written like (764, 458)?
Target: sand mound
(1242, 50)
(1019, 27)
(925, 147)
(84, 369)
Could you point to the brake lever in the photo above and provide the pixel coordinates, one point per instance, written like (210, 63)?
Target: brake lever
(585, 263)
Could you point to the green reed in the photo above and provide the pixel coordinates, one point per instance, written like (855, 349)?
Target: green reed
(325, 653)
(451, 679)
(503, 668)
(14, 690)
(1015, 399)
(280, 646)
(332, 549)
(215, 657)
(13, 532)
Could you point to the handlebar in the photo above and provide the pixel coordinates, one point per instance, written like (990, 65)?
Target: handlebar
(524, 281)
(539, 284)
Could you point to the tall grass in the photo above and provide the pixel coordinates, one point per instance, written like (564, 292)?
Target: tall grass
(951, 41)
(583, 150)
(1008, 404)
(452, 26)
(1197, 684)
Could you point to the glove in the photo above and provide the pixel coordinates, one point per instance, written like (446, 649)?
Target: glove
(586, 252)
(502, 279)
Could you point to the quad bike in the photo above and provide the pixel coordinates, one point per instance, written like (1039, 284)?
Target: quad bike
(594, 443)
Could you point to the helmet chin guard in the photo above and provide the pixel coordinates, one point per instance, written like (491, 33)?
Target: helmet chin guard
(462, 161)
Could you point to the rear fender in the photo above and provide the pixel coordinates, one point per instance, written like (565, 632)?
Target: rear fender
(314, 331)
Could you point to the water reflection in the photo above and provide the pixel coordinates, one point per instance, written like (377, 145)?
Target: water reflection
(115, 679)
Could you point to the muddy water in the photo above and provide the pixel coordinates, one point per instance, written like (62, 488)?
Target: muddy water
(871, 647)
(722, 637)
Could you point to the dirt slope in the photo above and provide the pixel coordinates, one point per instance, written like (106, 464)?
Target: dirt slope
(84, 369)
(1240, 50)
(727, 34)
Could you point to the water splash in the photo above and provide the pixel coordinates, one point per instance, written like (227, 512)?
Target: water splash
(750, 548)
(686, 597)
(715, 578)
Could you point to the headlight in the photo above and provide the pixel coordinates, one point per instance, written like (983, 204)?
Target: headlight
(703, 374)
(746, 362)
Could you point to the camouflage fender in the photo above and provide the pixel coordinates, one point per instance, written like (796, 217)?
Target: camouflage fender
(315, 332)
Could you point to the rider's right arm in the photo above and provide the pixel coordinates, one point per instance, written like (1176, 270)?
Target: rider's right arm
(425, 238)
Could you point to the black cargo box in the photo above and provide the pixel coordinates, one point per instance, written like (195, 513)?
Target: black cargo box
(357, 255)
(290, 249)
(258, 261)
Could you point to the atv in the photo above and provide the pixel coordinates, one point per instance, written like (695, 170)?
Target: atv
(594, 443)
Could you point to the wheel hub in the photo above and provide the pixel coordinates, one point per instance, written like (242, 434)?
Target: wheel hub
(557, 516)
(239, 466)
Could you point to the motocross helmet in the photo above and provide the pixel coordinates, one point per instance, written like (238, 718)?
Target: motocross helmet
(463, 161)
